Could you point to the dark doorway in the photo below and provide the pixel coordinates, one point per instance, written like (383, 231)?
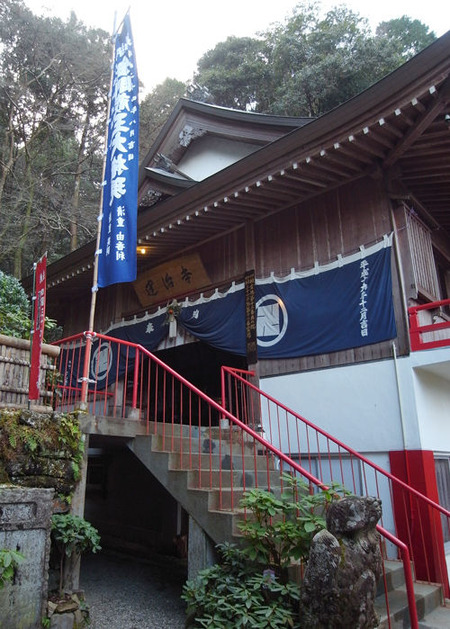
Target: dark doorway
(201, 365)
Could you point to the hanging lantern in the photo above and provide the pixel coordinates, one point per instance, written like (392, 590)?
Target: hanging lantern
(173, 310)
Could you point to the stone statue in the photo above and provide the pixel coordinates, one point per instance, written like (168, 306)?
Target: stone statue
(344, 567)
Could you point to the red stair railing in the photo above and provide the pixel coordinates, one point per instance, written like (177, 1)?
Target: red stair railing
(224, 449)
(408, 514)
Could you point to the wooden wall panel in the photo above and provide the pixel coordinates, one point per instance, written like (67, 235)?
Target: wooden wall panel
(337, 222)
(224, 257)
(365, 212)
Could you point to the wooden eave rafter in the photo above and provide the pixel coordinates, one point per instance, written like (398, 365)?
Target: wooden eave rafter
(427, 117)
(397, 121)
(346, 158)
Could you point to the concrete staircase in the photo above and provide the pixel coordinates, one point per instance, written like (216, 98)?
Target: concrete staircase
(181, 474)
(193, 478)
(431, 613)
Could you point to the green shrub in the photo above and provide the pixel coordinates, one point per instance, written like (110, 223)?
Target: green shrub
(237, 593)
(250, 587)
(280, 530)
(14, 308)
(72, 535)
(15, 311)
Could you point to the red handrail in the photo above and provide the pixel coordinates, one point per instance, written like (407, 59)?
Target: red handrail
(257, 406)
(175, 410)
(416, 329)
(337, 442)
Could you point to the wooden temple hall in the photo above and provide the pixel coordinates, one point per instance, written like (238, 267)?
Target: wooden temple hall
(291, 306)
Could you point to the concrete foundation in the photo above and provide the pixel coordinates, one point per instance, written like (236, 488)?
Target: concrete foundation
(201, 553)
(25, 523)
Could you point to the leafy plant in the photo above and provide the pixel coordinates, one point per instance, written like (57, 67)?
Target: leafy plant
(18, 436)
(250, 587)
(15, 311)
(9, 562)
(14, 307)
(280, 530)
(73, 535)
(71, 439)
(237, 593)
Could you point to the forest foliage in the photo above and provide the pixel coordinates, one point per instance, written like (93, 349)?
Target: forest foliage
(54, 81)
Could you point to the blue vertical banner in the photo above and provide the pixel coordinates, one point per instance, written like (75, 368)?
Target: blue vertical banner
(117, 253)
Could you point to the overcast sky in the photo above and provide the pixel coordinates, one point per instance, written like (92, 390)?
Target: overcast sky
(171, 35)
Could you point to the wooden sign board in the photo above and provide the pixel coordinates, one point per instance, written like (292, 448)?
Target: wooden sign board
(250, 318)
(172, 279)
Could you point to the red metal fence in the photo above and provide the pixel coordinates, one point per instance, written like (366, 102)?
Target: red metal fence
(433, 330)
(409, 515)
(247, 442)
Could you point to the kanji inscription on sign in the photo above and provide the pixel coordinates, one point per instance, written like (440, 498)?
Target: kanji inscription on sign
(172, 279)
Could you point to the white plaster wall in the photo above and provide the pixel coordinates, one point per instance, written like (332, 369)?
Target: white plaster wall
(208, 155)
(433, 408)
(333, 399)
(357, 404)
(374, 408)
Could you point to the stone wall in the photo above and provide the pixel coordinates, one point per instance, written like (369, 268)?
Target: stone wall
(25, 523)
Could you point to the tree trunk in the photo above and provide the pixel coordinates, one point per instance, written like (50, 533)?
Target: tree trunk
(77, 183)
(18, 254)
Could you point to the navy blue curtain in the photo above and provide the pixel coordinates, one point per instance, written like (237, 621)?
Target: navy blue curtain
(345, 307)
(340, 308)
(336, 309)
(219, 322)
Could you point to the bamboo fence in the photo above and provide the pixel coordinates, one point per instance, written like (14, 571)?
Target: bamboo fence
(14, 374)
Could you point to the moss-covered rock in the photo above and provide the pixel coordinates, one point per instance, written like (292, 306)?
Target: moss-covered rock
(40, 449)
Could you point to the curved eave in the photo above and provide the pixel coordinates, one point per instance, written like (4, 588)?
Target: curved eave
(247, 126)
(396, 122)
(166, 183)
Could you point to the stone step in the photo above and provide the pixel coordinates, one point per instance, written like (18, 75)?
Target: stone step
(247, 479)
(428, 598)
(439, 618)
(194, 430)
(185, 460)
(228, 499)
(204, 445)
(394, 575)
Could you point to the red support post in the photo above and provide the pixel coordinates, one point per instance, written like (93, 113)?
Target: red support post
(414, 332)
(135, 381)
(416, 519)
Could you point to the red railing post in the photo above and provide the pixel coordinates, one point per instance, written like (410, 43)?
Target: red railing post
(414, 333)
(134, 413)
(409, 583)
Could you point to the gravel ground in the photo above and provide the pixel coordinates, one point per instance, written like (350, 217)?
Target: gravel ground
(128, 593)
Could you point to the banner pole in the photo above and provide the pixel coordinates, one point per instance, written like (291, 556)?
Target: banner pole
(90, 332)
(33, 305)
